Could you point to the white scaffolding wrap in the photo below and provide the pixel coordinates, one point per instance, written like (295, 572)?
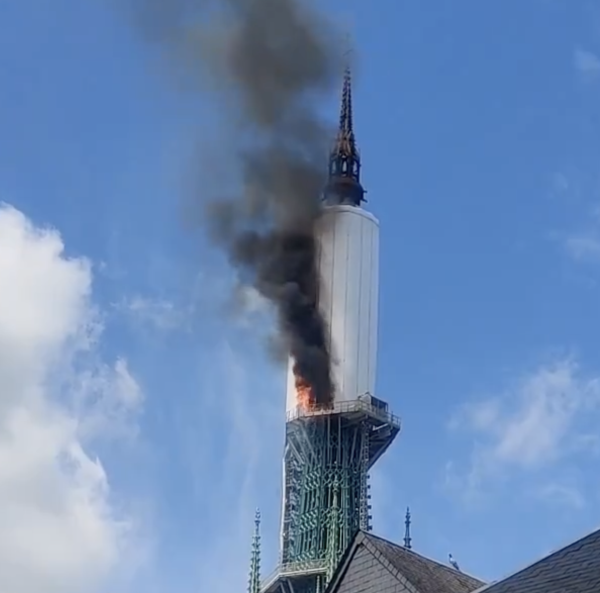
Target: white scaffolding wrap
(349, 299)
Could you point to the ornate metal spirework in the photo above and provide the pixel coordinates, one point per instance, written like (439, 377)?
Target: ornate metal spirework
(407, 538)
(328, 455)
(344, 185)
(254, 580)
(345, 144)
(326, 498)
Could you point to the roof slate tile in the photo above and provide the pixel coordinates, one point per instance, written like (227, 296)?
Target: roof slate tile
(573, 569)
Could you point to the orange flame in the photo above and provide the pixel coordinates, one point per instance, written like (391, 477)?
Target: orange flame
(304, 393)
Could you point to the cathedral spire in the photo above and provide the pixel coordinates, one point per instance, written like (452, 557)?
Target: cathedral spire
(254, 581)
(407, 538)
(344, 160)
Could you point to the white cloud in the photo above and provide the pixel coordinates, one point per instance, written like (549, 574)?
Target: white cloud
(587, 63)
(240, 416)
(160, 314)
(584, 245)
(106, 399)
(546, 416)
(563, 495)
(250, 300)
(58, 529)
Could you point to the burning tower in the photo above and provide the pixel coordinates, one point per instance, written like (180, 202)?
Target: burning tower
(330, 448)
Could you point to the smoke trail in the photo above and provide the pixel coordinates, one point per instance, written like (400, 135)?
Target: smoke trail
(271, 58)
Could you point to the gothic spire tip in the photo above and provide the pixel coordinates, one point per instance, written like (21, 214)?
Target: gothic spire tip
(344, 162)
(346, 142)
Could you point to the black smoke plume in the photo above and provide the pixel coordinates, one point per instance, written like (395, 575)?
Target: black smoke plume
(271, 60)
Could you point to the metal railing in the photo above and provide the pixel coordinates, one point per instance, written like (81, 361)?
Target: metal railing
(292, 568)
(356, 405)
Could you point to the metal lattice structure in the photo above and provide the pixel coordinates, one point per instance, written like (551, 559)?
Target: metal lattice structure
(325, 464)
(328, 456)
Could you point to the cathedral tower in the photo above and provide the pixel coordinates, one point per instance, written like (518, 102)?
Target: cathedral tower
(329, 451)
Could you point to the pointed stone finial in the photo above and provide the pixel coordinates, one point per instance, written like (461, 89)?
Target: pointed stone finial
(254, 580)
(407, 538)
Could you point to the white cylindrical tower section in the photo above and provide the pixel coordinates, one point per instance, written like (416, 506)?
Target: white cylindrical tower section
(349, 300)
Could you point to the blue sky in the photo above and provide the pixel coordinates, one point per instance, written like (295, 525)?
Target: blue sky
(478, 126)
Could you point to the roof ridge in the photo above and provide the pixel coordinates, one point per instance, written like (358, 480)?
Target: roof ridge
(407, 551)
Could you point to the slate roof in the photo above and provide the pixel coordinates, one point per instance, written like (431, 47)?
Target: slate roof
(426, 575)
(573, 569)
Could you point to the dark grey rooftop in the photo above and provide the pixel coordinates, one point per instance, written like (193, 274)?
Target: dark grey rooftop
(372, 564)
(573, 569)
(427, 575)
(416, 573)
